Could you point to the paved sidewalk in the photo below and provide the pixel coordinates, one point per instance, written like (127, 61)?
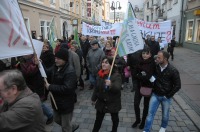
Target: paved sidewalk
(188, 63)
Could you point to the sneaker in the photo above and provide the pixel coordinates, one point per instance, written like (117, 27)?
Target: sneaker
(74, 127)
(49, 121)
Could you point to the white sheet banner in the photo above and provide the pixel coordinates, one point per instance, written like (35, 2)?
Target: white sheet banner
(157, 29)
(104, 30)
(14, 36)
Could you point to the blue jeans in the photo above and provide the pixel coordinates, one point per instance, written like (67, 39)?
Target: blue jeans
(92, 79)
(47, 111)
(155, 101)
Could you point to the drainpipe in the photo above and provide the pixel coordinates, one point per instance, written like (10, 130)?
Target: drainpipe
(181, 24)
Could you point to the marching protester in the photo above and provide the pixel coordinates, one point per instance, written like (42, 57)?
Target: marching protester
(21, 110)
(85, 46)
(47, 56)
(132, 62)
(170, 48)
(154, 46)
(107, 48)
(167, 83)
(120, 64)
(107, 95)
(145, 70)
(29, 68)
(62, 85)
(162, 46)
(74, 47)
(94, 58)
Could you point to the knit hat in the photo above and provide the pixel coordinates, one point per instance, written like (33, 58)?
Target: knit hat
(62, 54)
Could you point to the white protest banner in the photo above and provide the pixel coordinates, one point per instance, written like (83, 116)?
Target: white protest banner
(104, 30)
(38, 45)
(157, 29)
(131, 38)
(14, 36)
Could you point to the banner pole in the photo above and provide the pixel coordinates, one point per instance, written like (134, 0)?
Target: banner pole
(36, 56)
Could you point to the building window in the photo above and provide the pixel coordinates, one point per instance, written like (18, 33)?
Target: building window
(170, 5)
(189, 30)
(44, 28)
(198, 30)
(147, 18)
(147, 5)
(26, 21)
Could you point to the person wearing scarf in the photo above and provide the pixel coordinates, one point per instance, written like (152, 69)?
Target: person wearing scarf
(107, 95)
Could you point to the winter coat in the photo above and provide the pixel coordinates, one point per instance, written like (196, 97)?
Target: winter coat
(47, 58)
(85, 46)
(148, 67)
(23, 115)
(62, 86)
(94, 58)
(108, 101)
(74, 61)
(168, 82)
(33, 77)
(133, 60)
(155, 47)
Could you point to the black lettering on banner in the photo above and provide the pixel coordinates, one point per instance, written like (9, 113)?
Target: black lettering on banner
(129, 45)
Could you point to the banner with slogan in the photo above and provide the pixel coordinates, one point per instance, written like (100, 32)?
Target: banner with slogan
(157, 29)
(131, 38)
(14, 36)
(103, 30)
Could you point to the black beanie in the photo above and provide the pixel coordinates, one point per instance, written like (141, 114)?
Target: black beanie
(62, 54)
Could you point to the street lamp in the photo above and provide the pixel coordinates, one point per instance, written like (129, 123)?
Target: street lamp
(114, 7)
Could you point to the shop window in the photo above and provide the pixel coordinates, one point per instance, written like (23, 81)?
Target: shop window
(189, 34)
(44, 28)
(198, 31)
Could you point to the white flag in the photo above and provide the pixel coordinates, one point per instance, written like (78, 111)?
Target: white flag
(14, 36)
(131, 38)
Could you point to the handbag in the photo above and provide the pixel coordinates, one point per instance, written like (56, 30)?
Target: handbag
(127, 72)
(145, 91)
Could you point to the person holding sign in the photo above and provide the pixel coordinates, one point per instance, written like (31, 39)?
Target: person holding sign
(107, 95)
(62, 86)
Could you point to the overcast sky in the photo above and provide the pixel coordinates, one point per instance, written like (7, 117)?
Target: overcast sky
(123, 4)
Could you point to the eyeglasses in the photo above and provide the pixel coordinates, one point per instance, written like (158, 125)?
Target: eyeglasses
(5, 89)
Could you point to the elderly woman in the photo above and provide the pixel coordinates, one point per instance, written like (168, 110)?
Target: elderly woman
(107, 95)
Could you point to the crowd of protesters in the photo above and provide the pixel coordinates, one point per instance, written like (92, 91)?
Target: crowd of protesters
(23, 90)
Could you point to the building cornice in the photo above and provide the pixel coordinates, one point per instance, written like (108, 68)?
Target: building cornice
(38, 6)
(192, 9)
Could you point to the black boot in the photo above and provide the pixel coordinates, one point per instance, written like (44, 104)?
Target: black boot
(135, 123)
(142, 125)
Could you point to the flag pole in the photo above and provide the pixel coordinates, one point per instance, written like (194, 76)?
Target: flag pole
(117, 48)
(36, 56)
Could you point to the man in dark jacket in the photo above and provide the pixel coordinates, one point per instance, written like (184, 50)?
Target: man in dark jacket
(63, 85)
(170, 48)
(154, 46)
(167, 83)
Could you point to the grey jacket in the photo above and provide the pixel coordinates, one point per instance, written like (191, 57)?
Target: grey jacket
(23, 115)
(94, 58)
(74, 61)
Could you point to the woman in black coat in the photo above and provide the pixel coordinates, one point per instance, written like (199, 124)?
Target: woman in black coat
(107, 95)
(145, 70)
